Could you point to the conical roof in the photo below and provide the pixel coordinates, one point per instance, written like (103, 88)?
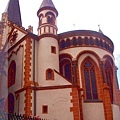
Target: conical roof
(13, 11)
(47, 4)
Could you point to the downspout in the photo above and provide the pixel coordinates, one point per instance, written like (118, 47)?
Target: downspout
(34, 77)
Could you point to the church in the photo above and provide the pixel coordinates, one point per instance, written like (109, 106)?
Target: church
(66, 76)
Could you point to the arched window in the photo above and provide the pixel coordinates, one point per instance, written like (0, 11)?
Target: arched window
(109, 76)
(11, 73)
(90, 81)
(101, 43)
(11, 102)
(66, 68)
(62, 44)
(49, 19)
(97, 42)
(74, 41)
(49, 74)
(53, 20)
(86, 41)
(68, 43)
(91, 41)
(79, 41)
(67, 71)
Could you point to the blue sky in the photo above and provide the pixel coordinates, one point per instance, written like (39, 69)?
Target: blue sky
(84, 14)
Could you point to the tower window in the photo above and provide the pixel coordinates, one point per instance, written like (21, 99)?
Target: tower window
(45, 109)
(53, 49)
(49, 74)
(49, 19)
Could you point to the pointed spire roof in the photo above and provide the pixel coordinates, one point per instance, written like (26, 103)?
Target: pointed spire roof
(13, 11)
(47, 4)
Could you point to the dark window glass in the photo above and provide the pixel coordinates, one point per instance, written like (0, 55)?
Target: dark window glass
(101, 43)
(67, 70)
(45, 109)
(91, 41)
(87, 84)
(74, 41)
(97, 42)
(53, 49)
(90, 81)
(67, 43)
(108, 73)
(86, 41)
(11, 73)
(11, 102)
(79, 41)
(62, 44)
(94, 87)
(48, 19)
(49, 74)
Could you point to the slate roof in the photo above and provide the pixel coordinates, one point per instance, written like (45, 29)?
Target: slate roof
(13, 11)
(47, 3)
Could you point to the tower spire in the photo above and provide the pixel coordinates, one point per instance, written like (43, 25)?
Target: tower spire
(13, 12)
(47, 4)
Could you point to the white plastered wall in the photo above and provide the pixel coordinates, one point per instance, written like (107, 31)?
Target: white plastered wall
(93, 111)
(116, 112)
(58, 101)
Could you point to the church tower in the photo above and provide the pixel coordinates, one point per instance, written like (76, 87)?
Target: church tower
(48, 51)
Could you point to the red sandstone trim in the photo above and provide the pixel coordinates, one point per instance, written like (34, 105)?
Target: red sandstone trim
(27, 76)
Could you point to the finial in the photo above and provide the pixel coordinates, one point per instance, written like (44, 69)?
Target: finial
(100, 29)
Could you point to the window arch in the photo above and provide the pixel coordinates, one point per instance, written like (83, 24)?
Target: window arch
(90, 80)
(66, 69)
(11, 102)
(11, 73)
(49, 74)
(109, 77)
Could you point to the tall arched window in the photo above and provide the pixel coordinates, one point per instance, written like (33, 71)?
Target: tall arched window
(109, 76)
(11, 73)
(90, 81)
(11, 102)
(49, 74)
(67, 71)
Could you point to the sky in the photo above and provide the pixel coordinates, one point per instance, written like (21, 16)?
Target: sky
(78, 15)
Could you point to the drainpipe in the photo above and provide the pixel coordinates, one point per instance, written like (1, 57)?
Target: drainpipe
(34, 77)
